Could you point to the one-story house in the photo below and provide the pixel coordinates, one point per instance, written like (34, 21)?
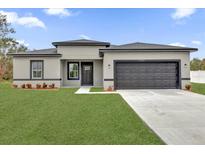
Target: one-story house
(84, 62)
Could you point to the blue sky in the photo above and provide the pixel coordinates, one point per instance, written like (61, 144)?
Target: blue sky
(37, 28)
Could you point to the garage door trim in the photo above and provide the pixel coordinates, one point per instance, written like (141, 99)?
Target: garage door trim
(138, 61)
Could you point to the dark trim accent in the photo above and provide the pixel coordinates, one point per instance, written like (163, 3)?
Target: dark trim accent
(108, 79)
(179, 72)
(107, 44)
(36, 79)
(185, 78)
(36, 55)
(101, 54)
(107, 50)
(68, 71)
(155, 60)
(82, 73)
(31, 69)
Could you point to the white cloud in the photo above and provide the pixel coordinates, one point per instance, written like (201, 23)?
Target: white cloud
(58, 12)
(22, 42)
(84, 36)
(28, 21)
(196, 42)
(178, 44)
(183, 13)
(31, 22)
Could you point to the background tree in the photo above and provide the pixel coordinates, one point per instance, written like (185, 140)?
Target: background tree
(203, 64)
(8, 44)
(6, 41)
(17, 48)
(197, 64)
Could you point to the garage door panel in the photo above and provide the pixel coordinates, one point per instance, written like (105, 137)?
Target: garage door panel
(139, 76)
(148, 82)
(146, 78)
(132, 75)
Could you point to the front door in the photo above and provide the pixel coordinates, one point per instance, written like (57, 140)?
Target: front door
(87, 73)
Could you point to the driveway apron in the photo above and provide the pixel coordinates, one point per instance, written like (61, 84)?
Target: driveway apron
(176, 116)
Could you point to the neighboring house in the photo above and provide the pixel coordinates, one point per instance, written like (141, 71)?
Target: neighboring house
(86, 62)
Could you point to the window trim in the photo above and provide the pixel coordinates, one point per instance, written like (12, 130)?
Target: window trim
(31, 69)
(68, 71)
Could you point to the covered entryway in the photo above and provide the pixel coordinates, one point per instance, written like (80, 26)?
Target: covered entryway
(86, 73)
(146, 75)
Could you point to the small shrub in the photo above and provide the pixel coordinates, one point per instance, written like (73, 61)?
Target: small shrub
(15, 86)
(6, 76)
(110, 88)
(23, 86)
(188, 87)
(52, 86)
(38, 86)
(44, 85)
(28, 85)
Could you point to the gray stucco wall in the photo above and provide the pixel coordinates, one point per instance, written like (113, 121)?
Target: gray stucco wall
(80, 52)
(98, 73)
(21, 70)
(109, 57)
(56, 67)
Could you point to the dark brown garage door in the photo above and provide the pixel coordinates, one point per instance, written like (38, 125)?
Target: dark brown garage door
(146, 75)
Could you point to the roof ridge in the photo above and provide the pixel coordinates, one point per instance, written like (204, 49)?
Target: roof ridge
(150, 44)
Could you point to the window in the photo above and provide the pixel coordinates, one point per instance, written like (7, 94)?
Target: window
(73, 71)
(37, 69)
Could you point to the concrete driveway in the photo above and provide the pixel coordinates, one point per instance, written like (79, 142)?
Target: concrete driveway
(177, 116)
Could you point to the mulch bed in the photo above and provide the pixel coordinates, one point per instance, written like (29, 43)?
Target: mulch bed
(51, 89)
(39, 88)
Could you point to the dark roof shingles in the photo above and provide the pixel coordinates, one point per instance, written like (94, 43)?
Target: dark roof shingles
(81, 42)
(50, 51)
(147, 46)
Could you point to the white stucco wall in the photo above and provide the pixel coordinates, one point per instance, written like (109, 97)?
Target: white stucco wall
(197, 76)
(109, 57)
(21, 70)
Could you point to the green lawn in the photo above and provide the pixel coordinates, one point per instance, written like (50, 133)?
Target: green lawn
(61, 117)
(96, 89)
(198, 88)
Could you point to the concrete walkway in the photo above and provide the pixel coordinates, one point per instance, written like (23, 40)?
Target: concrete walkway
(177, 116)
(86, 90)
(83, 90)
